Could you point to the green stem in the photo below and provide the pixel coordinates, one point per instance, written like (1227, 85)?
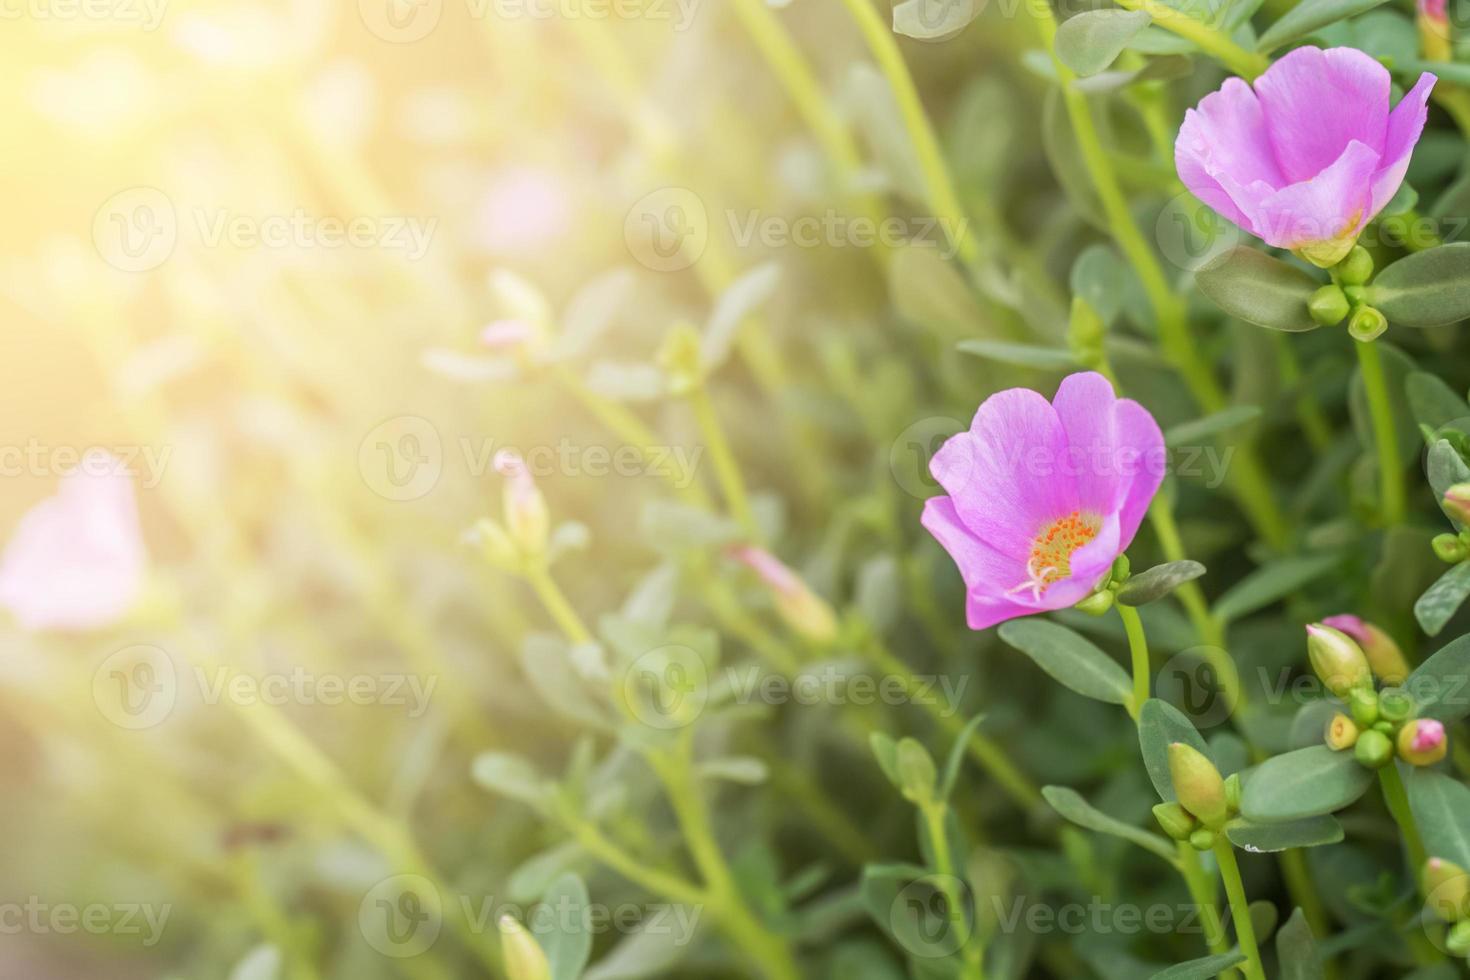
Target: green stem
(1380, 408)
(938, 181)
(727, 470)
(1138, 647)
(557, 605)
(1240, 914)
(1293, 864)
(1202, 893)
(973, 956)
(1397, 798)
(1212, 42)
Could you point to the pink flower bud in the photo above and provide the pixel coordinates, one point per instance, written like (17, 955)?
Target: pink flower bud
(1423, 742)
(526, 516)
(1384, 656)
(802, 609)
(502, 334)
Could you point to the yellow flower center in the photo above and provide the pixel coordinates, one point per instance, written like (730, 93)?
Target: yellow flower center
(1051, 552)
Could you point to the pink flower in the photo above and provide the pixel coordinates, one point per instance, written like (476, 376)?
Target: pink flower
(1310, 156)
(1435, 10)
(76, 560)
(1428, 736)
(522, 210)
(1042, 498)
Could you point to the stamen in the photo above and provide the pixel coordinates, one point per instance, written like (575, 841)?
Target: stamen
(1052, 549)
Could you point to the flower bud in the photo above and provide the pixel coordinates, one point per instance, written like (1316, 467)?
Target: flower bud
(1363, 702)
(1384, 656)
(1357, 268)
(1336, 659)
(1176, 821)
(1367, 324)
(1341, 732)
(1374, 749)
(1395, 705)
(1202, 839)
(524, 958)
(1434, 30)
(1457, 940)
(1449, 547)
(1233, 789)
(1097, 603)
(1328, 305)
(1423, 742)
(492, 541)
(1198, 785)
(1446, 889)
(1457, 502)
(526, 518)
(803, 610)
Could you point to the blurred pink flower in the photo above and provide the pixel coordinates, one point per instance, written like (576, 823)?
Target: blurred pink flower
(1043, 497)
(76, 560)
(523, 209)
(1310, 156)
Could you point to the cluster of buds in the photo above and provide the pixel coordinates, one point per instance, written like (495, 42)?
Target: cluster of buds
(1347, 295)
(1207, 801)
(808, 614)
(521, 539)
(1455, 548)
(1102, 597)
(1347, 654)
(1447, 896)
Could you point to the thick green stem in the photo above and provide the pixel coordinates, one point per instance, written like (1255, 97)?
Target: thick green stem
(1397, 798)
(973, 950)
(1138, 647)
(1202, 893)
(557, 605)
(1380, 408)
(1240, 914)
(1212, 42)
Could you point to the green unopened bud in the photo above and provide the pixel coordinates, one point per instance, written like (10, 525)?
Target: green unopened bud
(1446, 889)
(1457, 502)
(1176, 821)
(1381, 725)
(1363, 702)
(1198, 785)
(1357, 268)
(524, 957)
(1341, 733)
(807, 613)
(1336, 659)
(1457, 940)
(1202, 839)
(1329, 305)
(680, 358)
(1395, 704)
(1355, 294)
(1384, 655)
(1449, 547)
(1122, 567)
(1233, 790)
(1423, 742)
(1097, 603)
(1374, 749)
(492, 541)
(526, 517)
(1367, 324)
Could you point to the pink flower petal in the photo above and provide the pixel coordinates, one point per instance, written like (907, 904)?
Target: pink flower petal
(1316, 102)
(1405, 125)
(1332, 206)
(1137, 431)
(1223, 153)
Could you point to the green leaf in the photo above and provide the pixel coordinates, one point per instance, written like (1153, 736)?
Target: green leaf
(1440, 685)
(933, 20)
(533, 876)
(626, 381)
(1071, 805)
(1160, 724)
(1309, 16)
(1199, 430)
(1441, 808)
(591, 310)
(1432, 402)
(743, 769)
(1442, 599)
(1305, 783)
(1263, 838)
(512, 776)
(1097, 276)
(566, 941)
(885, 750)
(1021, 355)
(1091, 41)
(1271, 582)
(1159, 581)
(1296, 950)
(957, 757)
(1167, 68)
(736, 305)
(1070, 659)
(1426, 289)
(1259, 289)
(261, 963)
(1202, 968)
(1065, 157)
(1445, 467)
